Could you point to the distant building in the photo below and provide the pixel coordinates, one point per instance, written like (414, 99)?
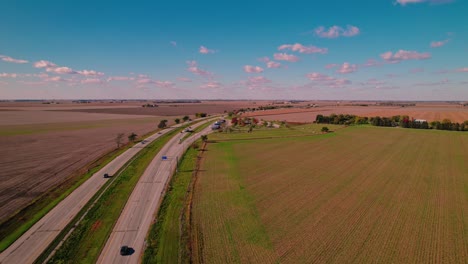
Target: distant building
(420, 120)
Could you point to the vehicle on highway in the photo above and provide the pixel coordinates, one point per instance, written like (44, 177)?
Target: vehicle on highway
(125, 250)
(106, 175)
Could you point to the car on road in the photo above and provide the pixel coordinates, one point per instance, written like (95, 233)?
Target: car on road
(106, 175)
(124, 250)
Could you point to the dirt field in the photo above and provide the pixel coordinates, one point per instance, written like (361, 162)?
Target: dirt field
(42, 145)
(360, 195)
(170, 109)
(38, 159)
(427, 112)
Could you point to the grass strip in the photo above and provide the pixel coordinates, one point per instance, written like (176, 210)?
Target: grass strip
(89, 237)
(21, 221)
(164, 239)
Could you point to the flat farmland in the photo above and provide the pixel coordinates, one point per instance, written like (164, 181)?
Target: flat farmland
(171, 109)
(42, 149)
(427, 112)
(358, 195)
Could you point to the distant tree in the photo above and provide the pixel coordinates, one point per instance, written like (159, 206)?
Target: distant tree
(319, 119)
(162, 124)
(325, 129)
(185, 118)
(132, 137)
(204, 138)
(446, 124)
(119, 139)
(425, 125)
(177, 120)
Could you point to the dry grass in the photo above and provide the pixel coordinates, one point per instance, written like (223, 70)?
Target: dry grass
(360, 195)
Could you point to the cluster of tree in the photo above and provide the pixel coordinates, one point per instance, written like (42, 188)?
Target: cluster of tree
(267, 107)
(185, 119)
(446, 124)
(396, 104)
(403, 121)
(120, 136)
(149, 105)
(235, 121)
(198, 115)
(162, 124)
(341, 119)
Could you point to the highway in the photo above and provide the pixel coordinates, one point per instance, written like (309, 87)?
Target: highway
(32, 243)
(134, 223)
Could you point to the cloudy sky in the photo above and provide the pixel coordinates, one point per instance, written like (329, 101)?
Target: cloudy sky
(369, 49)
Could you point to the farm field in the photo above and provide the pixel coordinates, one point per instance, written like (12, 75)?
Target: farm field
(45, 145)
(39, 156)
(427, 112)
(361, 194)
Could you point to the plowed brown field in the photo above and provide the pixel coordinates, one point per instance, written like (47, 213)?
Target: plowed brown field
(430, 113)
(38, 156)
(359, 195)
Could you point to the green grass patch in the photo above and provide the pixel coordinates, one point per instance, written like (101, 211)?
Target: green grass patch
(21, 221)
(87, 240)
(266, 132)
(227, 227)
(164, 239)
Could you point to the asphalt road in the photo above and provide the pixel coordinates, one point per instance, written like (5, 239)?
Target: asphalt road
(139, 212)
(32, 243)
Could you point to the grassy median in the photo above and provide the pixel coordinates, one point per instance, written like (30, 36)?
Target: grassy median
(87, 240)
(164, 243)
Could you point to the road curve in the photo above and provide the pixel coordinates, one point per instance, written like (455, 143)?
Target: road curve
(139, 212)
(31, 244)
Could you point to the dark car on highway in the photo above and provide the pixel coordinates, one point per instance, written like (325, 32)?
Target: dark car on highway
(124, 250)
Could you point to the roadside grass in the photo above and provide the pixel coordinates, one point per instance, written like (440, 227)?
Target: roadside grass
(89, 237)
(21, 221)
(164, 239)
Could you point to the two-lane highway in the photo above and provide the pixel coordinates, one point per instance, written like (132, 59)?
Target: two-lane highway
(32, 243)
(139, 212)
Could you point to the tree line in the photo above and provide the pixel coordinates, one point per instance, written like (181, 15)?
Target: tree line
(403, 121)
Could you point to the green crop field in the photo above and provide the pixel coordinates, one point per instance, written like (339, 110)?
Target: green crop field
(358, 195)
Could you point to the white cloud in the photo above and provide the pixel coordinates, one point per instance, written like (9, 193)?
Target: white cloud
(205, 50)
(337, 31)
(10, 59)
(303, 49)
(44, 64)
(253, 69)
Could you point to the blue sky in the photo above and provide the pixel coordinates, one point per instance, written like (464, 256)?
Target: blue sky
(370, 50)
